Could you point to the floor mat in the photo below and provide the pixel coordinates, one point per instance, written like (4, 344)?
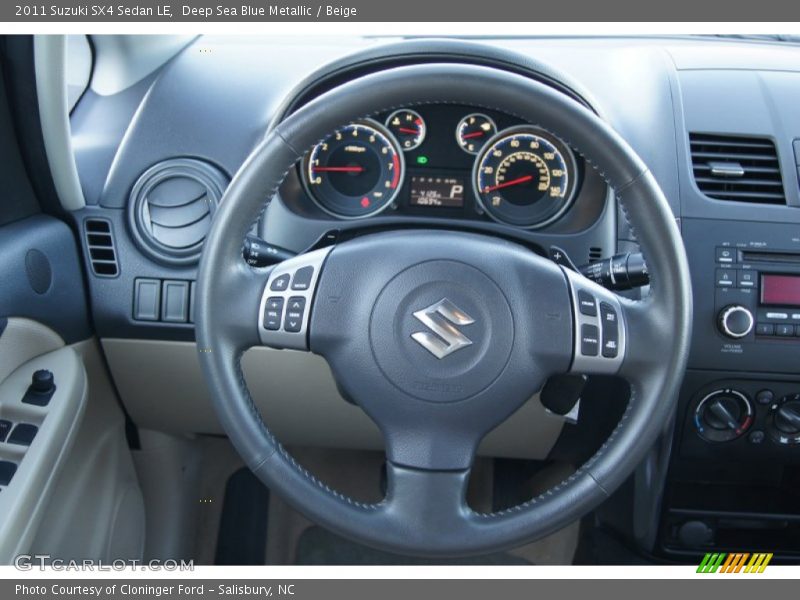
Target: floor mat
(318, 546)
(242, 538)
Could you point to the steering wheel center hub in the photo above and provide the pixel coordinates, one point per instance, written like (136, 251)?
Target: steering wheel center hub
(441, 331)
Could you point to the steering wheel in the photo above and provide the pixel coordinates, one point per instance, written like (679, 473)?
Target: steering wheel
(505, 320)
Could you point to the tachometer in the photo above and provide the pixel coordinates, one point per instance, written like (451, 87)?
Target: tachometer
(525, 177)
(356, 171)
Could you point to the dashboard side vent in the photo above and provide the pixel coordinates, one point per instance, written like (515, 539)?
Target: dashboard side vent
(737, 168)
(171, 208)
(100, 245)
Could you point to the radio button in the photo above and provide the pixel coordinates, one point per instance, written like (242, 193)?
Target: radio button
(726, 255)
(777, 316)
(784, 330)
(726, 277)
(765, 329)
(746, 279)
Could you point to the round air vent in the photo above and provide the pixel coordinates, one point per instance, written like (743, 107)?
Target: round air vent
(171, 207)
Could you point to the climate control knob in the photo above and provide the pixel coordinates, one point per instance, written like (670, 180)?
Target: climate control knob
(784, 420)
(735, 321)
(723, 415)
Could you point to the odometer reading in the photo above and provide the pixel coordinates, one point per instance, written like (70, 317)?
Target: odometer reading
(524, 177)
(443, 192)
(355, 172)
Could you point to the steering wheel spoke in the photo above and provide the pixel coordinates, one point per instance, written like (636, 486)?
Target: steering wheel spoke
(434, 500)
(285, 306)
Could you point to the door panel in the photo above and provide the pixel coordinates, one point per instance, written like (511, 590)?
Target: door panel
(37, 436)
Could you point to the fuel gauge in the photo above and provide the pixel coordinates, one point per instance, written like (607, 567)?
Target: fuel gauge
(473, 131)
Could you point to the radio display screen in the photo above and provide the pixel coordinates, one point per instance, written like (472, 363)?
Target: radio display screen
(437, 191)
(780, 290)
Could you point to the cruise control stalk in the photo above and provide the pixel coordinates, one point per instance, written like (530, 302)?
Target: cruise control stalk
(620, 272)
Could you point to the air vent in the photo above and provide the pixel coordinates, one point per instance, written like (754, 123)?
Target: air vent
(742, 169)
(595, 254)
(171, 207)
(100, 244)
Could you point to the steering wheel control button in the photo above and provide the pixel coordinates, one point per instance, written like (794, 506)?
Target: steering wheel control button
(587, 304)
(286, 301)
(302, 278)
(272, 313)
(590, 341)
(599, 342)
(281, 283)
(23, 434)
(294, 314)
(610, 327)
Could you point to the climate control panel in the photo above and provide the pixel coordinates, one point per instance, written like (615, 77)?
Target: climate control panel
(743, 419)
(723, 415)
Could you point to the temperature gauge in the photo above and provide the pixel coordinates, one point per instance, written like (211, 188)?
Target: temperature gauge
(408, 128)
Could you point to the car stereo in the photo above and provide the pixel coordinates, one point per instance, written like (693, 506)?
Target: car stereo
(766, 302)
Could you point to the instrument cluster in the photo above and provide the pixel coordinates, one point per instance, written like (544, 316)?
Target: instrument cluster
(443, 160)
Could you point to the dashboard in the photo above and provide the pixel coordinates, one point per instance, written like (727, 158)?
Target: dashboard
(715, 121)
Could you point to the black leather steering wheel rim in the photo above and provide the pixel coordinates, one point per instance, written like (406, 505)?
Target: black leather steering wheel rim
(424, 512)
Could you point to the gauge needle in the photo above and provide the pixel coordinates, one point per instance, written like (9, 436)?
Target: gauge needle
(338, 169)
(474, 134)
(505, 184)
(407, 130)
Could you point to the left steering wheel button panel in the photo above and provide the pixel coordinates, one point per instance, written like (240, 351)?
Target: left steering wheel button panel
(286, 302)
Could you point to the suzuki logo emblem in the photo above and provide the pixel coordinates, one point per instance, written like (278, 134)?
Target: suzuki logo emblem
(441, 318)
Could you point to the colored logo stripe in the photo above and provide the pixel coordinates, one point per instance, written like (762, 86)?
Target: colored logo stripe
(711, 563)
(734, 563)
(758, 563)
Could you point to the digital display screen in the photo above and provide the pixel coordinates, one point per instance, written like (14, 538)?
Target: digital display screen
(782, 290)
(437, 191)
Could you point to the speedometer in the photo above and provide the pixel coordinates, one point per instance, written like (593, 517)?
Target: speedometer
(525, 177)
(356, 171)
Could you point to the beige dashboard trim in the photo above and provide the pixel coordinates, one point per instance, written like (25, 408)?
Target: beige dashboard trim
(162, 388)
